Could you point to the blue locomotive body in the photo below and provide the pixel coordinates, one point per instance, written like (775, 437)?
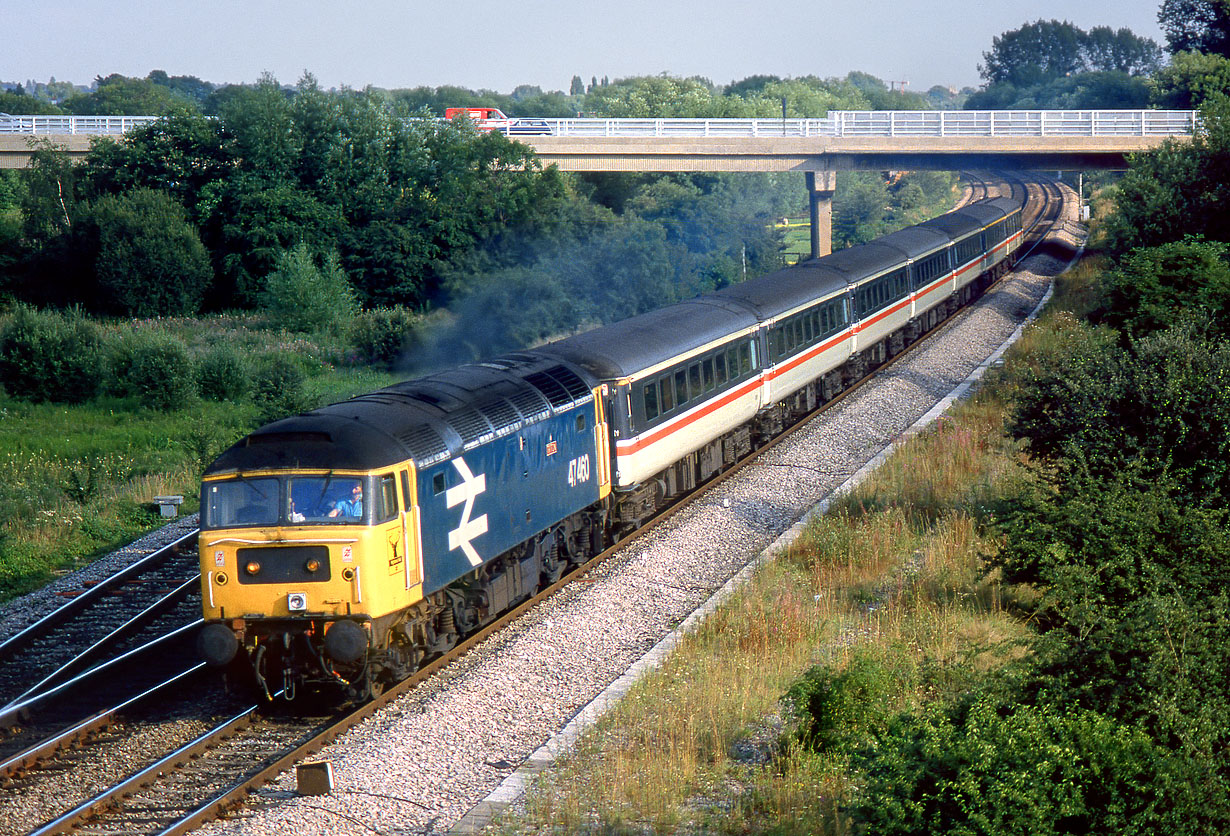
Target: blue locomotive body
(484, 502)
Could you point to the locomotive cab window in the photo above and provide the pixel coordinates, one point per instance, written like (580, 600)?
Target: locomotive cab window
(242, 502)
(437, 484)
(386, 498)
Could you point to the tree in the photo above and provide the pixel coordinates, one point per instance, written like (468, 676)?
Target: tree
(1196, 25)
(1034, 53)
(1119, 50)
(49, 205)
(182, 154)
(251, 226)
(120, 96)
(305, 296)
(859, 208)
(1191, 80)
(577, 87)
(188, 86)
(147, 259)
(24, 105)
(1179, 188)
(652, 96)
(260, 130)
(1153, 288)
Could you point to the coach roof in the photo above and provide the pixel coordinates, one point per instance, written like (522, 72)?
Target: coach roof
(624, 348)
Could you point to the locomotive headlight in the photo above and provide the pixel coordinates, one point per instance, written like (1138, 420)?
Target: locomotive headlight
(253, 567)
(313, 565)
(296, 601)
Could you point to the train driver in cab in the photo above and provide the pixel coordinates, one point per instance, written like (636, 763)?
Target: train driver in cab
(351, 508)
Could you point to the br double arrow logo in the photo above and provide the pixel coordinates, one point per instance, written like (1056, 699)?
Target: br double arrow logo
(461, 536)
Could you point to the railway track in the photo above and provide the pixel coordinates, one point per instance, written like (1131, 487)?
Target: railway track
(248, 749)
(100, 621)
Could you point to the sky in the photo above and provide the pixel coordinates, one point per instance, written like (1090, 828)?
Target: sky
(500, 44)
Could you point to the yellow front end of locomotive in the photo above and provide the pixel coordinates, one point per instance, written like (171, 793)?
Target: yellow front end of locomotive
(305, 545)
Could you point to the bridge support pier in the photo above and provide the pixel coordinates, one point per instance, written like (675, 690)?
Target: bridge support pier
(820, 188)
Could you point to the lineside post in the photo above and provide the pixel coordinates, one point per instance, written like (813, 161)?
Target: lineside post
(820, 188)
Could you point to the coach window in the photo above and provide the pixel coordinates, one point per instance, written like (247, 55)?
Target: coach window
(706, 370)
(745, 358)
(719, 368)
(681, 387)
(651, 400)
(667, 400)
(694, 387)
(386, 499)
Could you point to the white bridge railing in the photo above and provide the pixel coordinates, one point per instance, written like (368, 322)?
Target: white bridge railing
(839, 123)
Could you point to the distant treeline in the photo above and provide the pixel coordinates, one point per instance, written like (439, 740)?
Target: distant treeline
(398, 208)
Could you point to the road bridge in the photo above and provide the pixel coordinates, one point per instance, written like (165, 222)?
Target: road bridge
(819, 148)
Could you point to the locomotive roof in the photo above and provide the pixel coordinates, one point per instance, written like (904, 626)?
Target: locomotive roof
(624, 348)
(428, 420)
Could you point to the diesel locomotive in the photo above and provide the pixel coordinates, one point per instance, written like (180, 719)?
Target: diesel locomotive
(342, 547)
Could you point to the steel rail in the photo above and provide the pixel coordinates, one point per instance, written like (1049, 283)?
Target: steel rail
(32, 756)
(89, 596)
(99, 648)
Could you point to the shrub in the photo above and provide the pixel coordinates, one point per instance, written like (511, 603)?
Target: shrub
(840, 710)
(383, 335)
(277, 388)
(303, 296)
(161, 374)
(1153, 288)
(50, 356)
(223, 375)
(149, 260)
(1025, 770)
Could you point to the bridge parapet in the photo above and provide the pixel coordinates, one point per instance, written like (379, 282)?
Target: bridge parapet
(839, 123)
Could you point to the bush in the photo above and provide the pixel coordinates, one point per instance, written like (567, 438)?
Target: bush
(837, 711)
(277, 388)
(161, 374)
(1162, 407)
(223, 375)
(303, 297)
(1025, 770)
(51, 356)
(383, 335)
(1154, 288)
(149, 260)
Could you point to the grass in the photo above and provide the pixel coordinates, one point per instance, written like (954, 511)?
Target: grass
(77, 481)
(891, 580)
